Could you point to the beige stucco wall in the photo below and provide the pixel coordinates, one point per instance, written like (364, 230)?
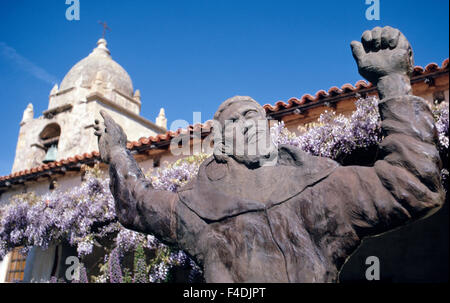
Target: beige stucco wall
(3, 268)
(79, 93)
(133, 127)
(77, 133)
(41, 186)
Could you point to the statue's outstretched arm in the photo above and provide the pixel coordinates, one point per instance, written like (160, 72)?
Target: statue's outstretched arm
(138, 205)
(404, 184)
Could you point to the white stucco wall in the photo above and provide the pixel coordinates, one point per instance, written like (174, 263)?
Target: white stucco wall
(4, 268)
(41, 187)
(77, 133)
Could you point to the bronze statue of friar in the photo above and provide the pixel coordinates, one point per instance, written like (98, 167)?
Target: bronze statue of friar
(280, 214)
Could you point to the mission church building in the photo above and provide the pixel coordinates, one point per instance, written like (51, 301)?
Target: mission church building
(53, 147)
(65, 129)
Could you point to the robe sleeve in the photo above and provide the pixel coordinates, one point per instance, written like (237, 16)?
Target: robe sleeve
(139, 206)
(404, 184)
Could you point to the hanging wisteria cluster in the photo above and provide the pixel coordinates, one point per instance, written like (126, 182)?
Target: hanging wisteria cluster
(334, 135)
(440, 112)
(84, 215)
(30, 220)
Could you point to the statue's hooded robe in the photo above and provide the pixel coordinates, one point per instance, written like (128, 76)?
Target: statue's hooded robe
(299, 220)
(245, 240)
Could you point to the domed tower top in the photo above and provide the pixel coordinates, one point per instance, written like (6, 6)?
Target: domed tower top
(84, 73)
(97, 77)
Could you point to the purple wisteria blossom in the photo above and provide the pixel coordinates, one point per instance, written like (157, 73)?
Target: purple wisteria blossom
(440, 112)
(335, 135)
(115, 270)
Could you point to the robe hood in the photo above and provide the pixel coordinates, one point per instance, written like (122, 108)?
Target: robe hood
(222, 190)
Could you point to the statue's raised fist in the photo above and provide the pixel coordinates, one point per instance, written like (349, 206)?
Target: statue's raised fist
(382, 52)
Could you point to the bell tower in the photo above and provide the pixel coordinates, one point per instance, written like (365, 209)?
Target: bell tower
(65, 129)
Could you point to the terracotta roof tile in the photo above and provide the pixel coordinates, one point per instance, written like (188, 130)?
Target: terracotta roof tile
(348, 88)
(334, 91)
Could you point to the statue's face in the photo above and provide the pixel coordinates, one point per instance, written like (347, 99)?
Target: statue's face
(246, 133)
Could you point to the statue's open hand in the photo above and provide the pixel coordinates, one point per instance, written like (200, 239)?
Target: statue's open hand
(383, 51)
(110, 136)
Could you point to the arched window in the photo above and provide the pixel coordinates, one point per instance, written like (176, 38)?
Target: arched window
(49, 138)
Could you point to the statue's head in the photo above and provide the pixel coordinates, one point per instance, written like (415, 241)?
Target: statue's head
(241, 131)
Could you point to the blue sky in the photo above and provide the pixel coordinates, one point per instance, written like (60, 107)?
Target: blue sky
(191, 55)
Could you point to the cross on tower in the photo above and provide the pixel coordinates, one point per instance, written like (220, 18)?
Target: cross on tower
(105, 27)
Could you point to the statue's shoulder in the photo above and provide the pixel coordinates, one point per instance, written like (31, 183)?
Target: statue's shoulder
(308, 168)
(293, 156)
